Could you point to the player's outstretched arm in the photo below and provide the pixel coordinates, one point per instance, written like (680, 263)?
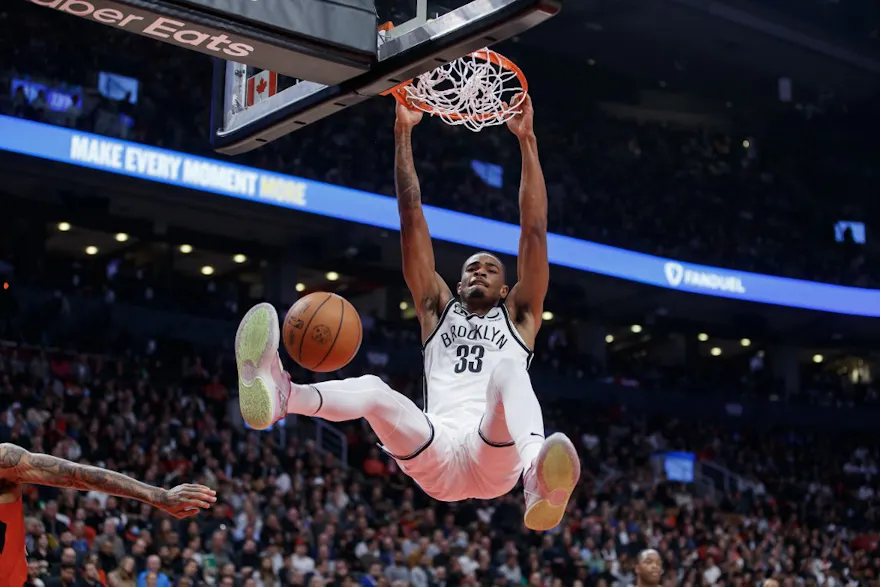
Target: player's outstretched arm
(20, 466)
(430, 293)
(533, 265)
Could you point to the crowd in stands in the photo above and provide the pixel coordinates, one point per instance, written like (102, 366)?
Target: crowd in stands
(695, 194)
(801, 509)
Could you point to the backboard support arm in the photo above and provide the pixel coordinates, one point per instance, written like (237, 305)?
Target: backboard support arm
(412, 24)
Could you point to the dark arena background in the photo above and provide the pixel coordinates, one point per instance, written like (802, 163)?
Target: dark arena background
(710, 342)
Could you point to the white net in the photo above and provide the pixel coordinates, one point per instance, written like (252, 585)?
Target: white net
(474, 91)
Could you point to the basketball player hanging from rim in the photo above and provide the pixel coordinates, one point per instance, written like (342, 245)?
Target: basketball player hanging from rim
(482, 426)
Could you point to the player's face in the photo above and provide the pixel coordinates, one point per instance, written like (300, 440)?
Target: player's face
(650, 569)
(482, 280)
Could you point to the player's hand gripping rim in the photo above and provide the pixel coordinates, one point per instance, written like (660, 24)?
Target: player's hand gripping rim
(407, 116)
(523, 122)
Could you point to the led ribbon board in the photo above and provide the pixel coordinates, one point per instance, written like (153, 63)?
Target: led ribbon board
(237, 181)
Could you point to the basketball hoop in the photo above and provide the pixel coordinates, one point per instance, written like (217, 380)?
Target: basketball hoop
(474, 91)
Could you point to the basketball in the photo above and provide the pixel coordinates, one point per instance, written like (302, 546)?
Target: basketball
(322, 332)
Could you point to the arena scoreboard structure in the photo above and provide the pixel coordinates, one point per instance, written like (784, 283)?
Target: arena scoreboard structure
(282, 64)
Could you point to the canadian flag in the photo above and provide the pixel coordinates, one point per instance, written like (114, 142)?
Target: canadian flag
(261, 86)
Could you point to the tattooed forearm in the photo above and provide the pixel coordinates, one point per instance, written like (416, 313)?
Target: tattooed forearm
(40, 469)
(10, 456)
(406, 181)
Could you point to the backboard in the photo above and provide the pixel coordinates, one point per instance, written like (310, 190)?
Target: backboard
(253, 106)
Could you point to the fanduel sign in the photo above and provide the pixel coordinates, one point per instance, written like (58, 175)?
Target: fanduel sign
(677, 275)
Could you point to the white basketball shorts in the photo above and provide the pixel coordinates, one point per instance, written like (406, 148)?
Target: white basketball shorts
(457, 463)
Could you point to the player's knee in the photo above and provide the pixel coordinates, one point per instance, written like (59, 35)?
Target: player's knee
(375, 390)
(507, 370)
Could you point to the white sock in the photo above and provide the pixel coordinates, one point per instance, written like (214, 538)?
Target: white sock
(401, 426)
(511, 386)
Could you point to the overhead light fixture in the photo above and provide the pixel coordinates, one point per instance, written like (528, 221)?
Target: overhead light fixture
(121, 237)
(207, 270)
(91, 250)
(63, 226)
(332, 276)
(239, 258)
(547, 316)
(746, 144)
(186, 249)
(818, 358)
(404, 305)
(702, 337)
(300, 287)
(635, 328)
(745, 342)
(609, 338)
(715, 351)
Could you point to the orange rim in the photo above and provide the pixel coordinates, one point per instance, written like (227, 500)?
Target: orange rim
(399, 91)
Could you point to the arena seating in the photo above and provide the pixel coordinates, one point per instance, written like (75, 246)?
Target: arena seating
(292, 514)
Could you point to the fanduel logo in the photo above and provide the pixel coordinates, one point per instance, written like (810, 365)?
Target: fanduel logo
(150, 25)
(676, 274)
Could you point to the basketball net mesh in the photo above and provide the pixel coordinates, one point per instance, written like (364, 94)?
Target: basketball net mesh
(474, 91)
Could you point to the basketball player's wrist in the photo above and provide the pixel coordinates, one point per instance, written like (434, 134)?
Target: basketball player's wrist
(528, 138)
(158, 497)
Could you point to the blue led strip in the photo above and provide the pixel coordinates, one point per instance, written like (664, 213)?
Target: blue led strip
(227, 179)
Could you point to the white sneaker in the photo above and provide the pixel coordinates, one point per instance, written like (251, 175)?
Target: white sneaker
(549, 482)
(263, 385)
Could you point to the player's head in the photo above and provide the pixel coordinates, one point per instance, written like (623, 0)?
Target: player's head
(482, 281)
(649, 567)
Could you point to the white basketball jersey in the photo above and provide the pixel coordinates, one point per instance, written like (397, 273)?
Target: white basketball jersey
(460, 356)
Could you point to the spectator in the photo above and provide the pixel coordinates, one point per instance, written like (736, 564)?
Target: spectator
(109, 536)
(66, 578)
(374, 576)
(152, 576)
(301, 561)
(124, 575)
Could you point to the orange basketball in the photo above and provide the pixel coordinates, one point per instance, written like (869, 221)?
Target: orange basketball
(322, 332)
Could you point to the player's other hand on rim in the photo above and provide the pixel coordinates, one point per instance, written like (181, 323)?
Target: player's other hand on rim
(522, 124)
(186, 500)
(407, 117)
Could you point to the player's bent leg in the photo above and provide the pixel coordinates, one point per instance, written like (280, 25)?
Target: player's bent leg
(511, 400)
(493, 429)
(401, 426)
(266, 393)
(551, 467)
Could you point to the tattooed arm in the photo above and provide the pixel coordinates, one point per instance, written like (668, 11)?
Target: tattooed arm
(20, 466)
(430, 293)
